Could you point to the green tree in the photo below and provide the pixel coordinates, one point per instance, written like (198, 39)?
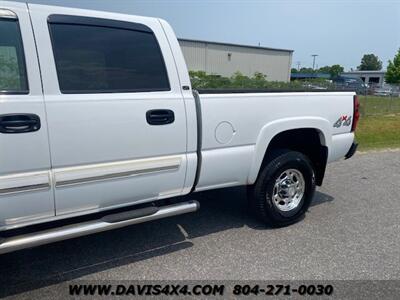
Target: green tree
(238, 80)
(259, 80)
(393, 70)
(294, 70)
(336, 70)
(306, 70)
(325, 70)
(333, 71)
(370, 62)
(202, 80)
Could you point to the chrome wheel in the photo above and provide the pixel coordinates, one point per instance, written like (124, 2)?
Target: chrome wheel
(288, 190)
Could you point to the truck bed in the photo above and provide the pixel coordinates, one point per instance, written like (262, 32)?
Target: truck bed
(237, 127)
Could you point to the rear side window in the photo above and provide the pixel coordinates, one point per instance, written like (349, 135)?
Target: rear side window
(96, 56)
(12, 62)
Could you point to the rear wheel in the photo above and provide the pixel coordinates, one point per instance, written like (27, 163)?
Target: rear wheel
(284, 188)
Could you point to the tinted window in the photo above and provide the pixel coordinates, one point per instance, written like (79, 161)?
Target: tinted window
(12, 61)
(97, 59)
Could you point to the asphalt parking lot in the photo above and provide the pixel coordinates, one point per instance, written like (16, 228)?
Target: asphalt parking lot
(351, 231)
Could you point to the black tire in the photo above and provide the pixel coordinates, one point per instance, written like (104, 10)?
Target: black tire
(261, 193)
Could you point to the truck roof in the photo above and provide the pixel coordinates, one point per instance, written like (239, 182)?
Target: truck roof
(75, 10)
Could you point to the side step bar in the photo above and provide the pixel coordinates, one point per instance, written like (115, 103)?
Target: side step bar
(86, 228)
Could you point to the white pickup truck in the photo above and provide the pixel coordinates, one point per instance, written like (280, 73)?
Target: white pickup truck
(99, 124)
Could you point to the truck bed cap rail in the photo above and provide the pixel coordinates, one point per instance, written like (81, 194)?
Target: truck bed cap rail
(256, 90)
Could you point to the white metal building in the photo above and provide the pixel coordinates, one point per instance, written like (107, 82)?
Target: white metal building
(225, 59)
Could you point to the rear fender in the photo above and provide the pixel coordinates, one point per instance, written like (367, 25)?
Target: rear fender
(270, 130)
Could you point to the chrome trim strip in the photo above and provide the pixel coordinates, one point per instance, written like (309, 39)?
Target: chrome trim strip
(27, 188)
(33, 181)
(7, 14)
(115, 176)
(107, 171)
(90, 227)
(24, 182)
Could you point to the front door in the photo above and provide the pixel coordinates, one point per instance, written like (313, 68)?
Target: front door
(117, 124)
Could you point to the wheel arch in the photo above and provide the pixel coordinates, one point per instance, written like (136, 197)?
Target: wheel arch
(316, 131)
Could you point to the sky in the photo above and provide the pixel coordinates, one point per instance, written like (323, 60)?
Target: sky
(339, 31)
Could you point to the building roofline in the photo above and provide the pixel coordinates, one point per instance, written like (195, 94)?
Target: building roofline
(365, 71)
(310, 75)
(236, 45)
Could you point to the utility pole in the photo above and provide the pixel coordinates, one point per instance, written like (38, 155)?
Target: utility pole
(313, 63)
(298, 65)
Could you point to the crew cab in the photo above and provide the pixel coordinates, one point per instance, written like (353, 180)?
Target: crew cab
(99, 125)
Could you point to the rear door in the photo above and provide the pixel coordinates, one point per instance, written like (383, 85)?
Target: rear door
(25, 193)
(117, 122)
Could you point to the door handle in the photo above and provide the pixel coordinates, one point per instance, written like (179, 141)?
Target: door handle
(19, 123)
(160, 116)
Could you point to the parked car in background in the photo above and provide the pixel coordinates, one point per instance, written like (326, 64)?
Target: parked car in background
(382, 91)
(387, 90)
(314, 86)
(350, 83)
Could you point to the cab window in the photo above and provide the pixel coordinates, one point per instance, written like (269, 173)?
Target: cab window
(13, 78)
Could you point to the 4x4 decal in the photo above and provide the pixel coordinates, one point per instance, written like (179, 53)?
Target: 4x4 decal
(343, 121)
